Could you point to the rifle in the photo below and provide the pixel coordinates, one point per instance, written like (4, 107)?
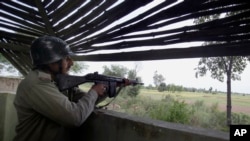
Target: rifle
(65, 82)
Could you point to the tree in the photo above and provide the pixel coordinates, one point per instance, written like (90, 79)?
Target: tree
(133, 91)
(158, 79)
(210, 90)
(162, 87)
(120, 71)
(78, 67)
(220, 67)
(115, 70)
(5, 65)
(150, 87)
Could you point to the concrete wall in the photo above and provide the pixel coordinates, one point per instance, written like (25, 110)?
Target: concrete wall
(8, 117)
(106, 125)
(9, 84)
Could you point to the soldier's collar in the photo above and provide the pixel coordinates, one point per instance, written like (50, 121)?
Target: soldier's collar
(44, 76)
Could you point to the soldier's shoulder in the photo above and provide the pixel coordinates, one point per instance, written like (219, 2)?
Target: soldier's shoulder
(44, 76)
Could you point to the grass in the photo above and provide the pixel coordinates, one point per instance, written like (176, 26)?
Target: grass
(195, 109)
(242, 102)
(209, 99)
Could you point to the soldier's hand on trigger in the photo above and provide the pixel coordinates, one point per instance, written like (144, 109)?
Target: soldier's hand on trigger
(99, 88)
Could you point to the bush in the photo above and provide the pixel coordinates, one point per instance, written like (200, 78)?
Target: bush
(178, 112)
(208, 117)
(240, 118)
(162, 87)
(159, 111)
(174, 111)
(171, 110)
(131, 91)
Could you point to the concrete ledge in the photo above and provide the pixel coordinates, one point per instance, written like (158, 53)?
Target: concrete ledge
(9, 84)
(8, 117)
(106, 125)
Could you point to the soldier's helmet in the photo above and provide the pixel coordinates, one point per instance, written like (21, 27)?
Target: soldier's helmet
(48, 49)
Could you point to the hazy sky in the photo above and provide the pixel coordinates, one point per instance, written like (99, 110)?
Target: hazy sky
(178, 72)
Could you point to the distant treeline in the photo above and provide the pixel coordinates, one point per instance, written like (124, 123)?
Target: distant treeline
(178, 88)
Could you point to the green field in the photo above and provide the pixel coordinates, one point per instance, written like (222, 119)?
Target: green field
(240, 103)
(196, 109)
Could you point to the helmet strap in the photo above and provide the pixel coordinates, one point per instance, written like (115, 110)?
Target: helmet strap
(60, 68)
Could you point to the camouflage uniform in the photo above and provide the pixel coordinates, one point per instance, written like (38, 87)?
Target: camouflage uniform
(44, 113)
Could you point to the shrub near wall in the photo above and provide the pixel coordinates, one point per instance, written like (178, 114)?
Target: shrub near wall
(171, 110)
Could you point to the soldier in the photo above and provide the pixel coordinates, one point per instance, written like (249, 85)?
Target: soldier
(45, 113)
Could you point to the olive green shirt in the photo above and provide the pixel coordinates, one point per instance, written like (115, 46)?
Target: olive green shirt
(44, 113)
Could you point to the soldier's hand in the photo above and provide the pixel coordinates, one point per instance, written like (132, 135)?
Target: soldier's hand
(99, 88)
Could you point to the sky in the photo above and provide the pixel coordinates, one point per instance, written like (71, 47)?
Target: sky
(178, 72)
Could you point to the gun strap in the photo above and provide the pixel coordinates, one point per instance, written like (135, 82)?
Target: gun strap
(105, 105)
